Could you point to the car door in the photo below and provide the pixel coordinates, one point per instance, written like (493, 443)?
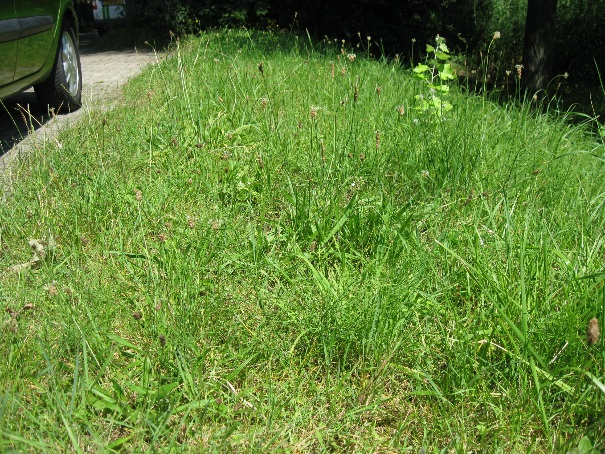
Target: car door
(9, 32)
(38, 22)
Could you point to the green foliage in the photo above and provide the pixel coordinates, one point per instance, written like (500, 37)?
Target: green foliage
(189, 16)
(584, 447)
(436, 78)
(288, 256)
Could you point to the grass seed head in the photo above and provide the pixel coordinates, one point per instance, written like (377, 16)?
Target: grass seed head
(592, 332)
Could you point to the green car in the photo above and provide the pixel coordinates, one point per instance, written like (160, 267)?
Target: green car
(39, 48)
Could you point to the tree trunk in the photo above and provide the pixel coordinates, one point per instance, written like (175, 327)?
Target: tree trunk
(538, 46)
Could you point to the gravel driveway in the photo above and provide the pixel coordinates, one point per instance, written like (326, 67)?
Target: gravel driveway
(103, 73)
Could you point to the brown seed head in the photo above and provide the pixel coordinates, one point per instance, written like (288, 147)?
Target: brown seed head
(592, 332)
(13, 313)
(137, 315)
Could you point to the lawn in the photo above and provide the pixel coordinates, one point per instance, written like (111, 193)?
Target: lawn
(278, 245)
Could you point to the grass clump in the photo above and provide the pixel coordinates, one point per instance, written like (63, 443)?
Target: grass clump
(271, 245)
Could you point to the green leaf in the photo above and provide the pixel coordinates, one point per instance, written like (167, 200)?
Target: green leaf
(205, 403)
(117, 444)
(596, 381)
(137, 389)
(430, 48)
(123, 342)
(585, 446)
(102, 394)
(230, 430)
(443, 47)
(421, 68)
(446, 72)
(166, 389)
(442, 55)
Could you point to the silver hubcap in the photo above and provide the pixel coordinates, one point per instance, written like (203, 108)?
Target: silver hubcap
(69, 57)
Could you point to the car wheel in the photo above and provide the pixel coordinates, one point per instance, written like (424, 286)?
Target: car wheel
(62, 90)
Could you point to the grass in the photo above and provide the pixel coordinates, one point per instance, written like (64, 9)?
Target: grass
(294, 260)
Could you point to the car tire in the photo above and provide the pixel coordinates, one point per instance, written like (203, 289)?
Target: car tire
(62, 90)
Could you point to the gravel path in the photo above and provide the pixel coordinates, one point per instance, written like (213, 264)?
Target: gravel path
(103, 73)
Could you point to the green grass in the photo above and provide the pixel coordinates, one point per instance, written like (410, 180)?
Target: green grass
(237, 260)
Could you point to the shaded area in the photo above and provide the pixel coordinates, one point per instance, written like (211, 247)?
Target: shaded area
(19, 115)
(22, 114)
